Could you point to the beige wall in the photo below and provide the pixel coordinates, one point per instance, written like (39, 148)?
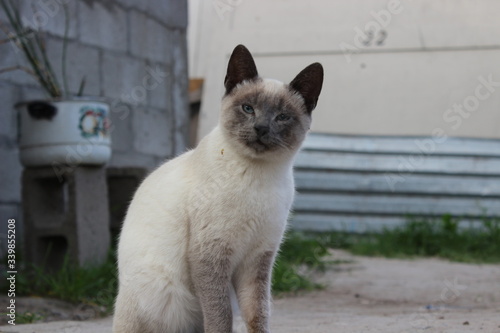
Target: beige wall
(434, 54)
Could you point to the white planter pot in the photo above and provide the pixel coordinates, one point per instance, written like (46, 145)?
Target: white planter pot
(73, 132)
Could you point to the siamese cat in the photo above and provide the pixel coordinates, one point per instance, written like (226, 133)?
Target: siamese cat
(213, 218)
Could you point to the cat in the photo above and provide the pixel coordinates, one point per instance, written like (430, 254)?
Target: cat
(213, 218)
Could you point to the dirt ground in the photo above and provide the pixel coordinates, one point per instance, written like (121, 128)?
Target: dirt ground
(365, 295)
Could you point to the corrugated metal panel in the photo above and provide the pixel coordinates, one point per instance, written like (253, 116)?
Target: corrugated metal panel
(360, 183)
(407, 145)
(371, 182)
(399, 163)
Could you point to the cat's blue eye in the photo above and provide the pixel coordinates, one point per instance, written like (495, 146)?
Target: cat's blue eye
(282, 117)
(247, 108)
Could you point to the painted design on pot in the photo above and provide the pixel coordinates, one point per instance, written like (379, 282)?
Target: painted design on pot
(93, 122)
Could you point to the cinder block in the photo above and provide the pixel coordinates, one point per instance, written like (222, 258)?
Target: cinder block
(9, 95)
(122, 184)
(159, 86)
(10, 175)
(149, 39)
(173, 13)
(141, 5)
(49, 16)
(134, 159)
(180, 96)
(122, 136)
(65, 214)
(81, 62)
(3, 18)
(122, 79)
(103, 24)
(13, 56)
(152, 132)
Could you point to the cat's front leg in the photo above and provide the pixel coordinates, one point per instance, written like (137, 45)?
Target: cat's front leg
(210, 272)
(252, 283)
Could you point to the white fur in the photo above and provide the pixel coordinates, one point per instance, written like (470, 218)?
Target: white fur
(209, 193)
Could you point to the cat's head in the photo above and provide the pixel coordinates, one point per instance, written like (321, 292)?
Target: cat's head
(263, 116)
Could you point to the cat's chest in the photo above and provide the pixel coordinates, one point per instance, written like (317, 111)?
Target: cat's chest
(265, 198)
(260, 193)
(246, 194)
(257, 211)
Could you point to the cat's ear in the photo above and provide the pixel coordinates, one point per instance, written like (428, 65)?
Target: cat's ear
(308, 83)
(241, 67)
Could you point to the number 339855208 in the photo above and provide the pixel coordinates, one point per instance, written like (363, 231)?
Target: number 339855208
(11, 242)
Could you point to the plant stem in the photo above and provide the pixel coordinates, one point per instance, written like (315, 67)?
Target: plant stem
(64, 51)
(33, 47)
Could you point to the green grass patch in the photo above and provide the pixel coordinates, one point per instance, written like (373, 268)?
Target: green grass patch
(28, 318)
(427, 238)
(96, 285)
(299, 256)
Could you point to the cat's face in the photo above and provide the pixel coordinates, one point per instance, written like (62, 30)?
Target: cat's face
(263, 116)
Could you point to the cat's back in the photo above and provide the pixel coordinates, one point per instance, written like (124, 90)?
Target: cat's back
(168, 180)
(149, 224)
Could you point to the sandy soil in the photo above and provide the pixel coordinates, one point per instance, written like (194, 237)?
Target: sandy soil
(383, 295)
(369, 295)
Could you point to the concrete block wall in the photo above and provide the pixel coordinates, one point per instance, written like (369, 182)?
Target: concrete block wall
(133, 53)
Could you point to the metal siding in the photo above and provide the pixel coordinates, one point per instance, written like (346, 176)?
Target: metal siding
(344, 182)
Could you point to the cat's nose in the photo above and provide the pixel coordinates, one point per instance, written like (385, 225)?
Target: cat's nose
(261, 130)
